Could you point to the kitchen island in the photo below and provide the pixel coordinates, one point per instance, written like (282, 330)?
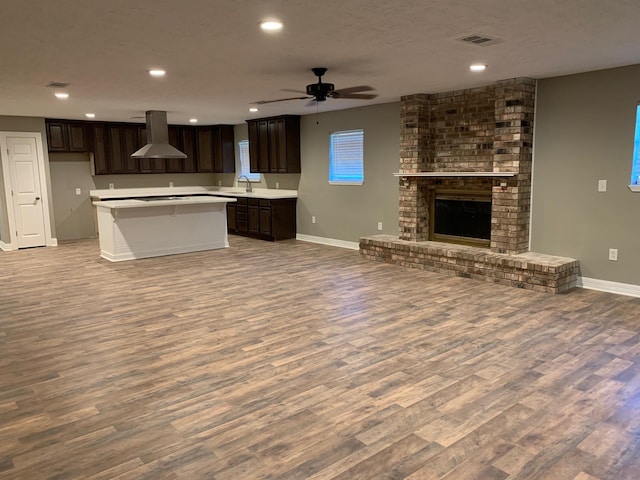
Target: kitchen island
(155, 226)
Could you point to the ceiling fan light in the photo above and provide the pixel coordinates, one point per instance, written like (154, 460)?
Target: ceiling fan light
(271, 25)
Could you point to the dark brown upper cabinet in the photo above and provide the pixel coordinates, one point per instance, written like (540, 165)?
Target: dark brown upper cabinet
(100, 149)
(224, 157)
(124, 140)
(208, 149)
(216, 152)
(188, 147)
(67, 136)
(274, 144)
(183, 138)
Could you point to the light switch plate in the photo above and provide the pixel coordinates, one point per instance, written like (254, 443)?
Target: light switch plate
(78, 191)
(602, 185)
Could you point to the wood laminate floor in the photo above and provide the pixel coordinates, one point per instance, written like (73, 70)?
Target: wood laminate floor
(292, 360)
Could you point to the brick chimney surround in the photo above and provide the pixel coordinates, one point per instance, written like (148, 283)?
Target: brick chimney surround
(478, 139)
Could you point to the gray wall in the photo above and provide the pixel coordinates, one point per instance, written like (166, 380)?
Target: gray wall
(24, 124)
(74, 213)
(584, 132)
(348, 212)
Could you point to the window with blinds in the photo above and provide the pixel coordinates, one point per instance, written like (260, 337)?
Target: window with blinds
(346, 157)
(635, 168)
(245, 165)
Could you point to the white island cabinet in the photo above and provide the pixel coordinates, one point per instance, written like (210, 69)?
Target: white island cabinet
(156, 226)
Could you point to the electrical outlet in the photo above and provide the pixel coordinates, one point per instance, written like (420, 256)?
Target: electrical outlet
(170, 184)
(602, 185)
(277, 185)
(78, 191)
(379, 225)
(313, 219)
(613, 254)
(111, 186)
(219, 183)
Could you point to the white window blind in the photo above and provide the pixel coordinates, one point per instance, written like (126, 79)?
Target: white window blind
(346, 157)
(635, 168)
(245, 165)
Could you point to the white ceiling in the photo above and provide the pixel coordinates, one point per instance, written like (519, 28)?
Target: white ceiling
(218, 61)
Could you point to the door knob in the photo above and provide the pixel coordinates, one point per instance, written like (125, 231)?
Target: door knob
(37, 198)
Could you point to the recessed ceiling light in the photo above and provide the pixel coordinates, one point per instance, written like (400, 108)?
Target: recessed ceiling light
(253, 109)
(193, 120)
(90, 115)
(156, 72)
(271, 25)
(477, 67)
(61, 95)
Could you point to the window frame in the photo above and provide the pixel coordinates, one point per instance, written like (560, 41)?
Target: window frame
(245, 162)
(634, 185)
(334, 177)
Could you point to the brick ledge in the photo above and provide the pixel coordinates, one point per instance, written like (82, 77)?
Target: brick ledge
(530, 270)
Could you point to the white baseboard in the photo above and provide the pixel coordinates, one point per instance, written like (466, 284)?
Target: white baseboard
(328, 241)
(6, 247)
(609, 287)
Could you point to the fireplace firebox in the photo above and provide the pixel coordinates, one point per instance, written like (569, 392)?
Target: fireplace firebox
(462, 217)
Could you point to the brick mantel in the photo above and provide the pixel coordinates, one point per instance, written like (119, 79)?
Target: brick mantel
(485, 129)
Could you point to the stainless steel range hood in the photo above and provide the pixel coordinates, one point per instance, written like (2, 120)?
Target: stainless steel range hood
(158, 138)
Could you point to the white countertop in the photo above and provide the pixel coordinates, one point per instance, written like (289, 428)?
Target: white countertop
(195, 190)
(135, 203)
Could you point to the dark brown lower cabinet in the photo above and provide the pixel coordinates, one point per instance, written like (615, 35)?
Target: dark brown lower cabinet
(241, 226)
(268, 219)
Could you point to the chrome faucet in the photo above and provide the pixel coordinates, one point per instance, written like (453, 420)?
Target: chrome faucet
(249, 188)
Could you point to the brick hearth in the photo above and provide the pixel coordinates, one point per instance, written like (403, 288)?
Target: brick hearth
(490, 130)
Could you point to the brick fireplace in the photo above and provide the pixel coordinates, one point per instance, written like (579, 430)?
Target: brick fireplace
(477, 141)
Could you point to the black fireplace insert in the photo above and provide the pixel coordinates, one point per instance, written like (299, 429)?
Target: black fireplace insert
(461, 217)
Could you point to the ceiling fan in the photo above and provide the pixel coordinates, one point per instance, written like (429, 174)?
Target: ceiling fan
(319, 92)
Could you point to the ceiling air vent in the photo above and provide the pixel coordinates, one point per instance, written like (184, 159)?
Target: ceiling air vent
(480, 40)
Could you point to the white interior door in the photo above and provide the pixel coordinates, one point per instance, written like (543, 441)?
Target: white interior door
(27, 195)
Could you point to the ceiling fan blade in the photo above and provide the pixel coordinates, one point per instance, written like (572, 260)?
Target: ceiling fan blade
(293, 90)
(359, 96)
(360, 88)
(262, 102)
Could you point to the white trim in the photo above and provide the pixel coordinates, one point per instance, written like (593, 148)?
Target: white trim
(338, 182)
(6, 247)
(533, 163)
(333, 242)
(48, 238)
(634, 188)
(610, 287)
